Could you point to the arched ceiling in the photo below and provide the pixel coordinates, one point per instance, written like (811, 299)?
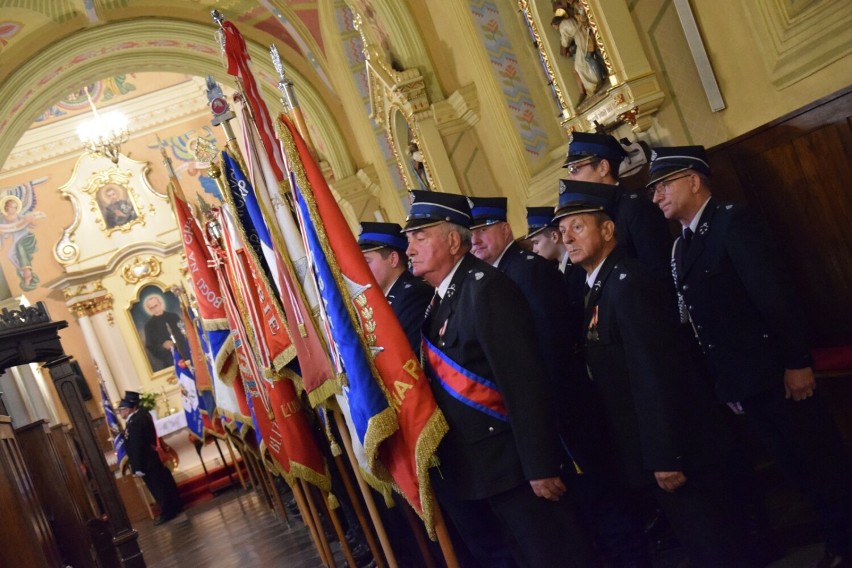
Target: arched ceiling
(48, 49)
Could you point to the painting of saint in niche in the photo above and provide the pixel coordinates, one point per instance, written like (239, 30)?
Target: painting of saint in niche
(116, 207)
(158, 322)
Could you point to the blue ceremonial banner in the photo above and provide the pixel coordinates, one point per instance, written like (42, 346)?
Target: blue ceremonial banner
(366, 399)
(263, 268)
(207, 402)
(248, 212)
(189, 394)
(114, 430)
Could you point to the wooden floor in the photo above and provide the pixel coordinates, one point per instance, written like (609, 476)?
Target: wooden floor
(236, 529)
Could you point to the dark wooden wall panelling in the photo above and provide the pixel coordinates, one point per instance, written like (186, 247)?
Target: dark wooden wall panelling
(796, 172)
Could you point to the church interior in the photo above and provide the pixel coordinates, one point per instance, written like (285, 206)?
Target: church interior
(477, 97)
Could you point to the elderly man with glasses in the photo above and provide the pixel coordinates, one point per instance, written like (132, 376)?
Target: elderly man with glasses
(642, 232)
(732, 291)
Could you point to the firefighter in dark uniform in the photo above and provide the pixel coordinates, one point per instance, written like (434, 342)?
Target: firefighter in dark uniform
(578, 408)
(642, 232)
(501, 457)
(733, 293)
(384, 247)
(543, 235)
(669, 430)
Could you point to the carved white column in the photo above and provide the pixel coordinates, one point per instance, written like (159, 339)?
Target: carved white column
(92, 306)
(115, 350)
(98, 356)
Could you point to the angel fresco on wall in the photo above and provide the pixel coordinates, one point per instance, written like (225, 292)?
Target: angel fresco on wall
(17, 218)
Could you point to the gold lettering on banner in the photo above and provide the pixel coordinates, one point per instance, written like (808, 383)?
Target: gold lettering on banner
(290, 409)
(275, 439)
(401, 387)
(411, 367)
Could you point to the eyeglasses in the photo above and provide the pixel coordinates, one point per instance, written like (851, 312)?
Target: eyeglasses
(662, 187)
(573, 169)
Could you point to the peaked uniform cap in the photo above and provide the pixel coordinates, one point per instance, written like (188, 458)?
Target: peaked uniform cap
(433, 207)
(379, 235)
(668, 161)
(577, 197)
(538, 219)
(488, 210)
(586, 145)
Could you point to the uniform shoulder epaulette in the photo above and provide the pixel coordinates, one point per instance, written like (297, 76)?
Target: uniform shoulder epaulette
(728, 207)
(477, 274)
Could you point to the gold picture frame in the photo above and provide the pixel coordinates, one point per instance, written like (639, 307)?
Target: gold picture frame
(113, 201)
(157, 358)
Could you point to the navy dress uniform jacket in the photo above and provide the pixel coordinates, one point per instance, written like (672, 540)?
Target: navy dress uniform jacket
(558, 313)
(739, 304)
(408, 297)
(643, 232)
(140, 441)
(662, 413)
(484, 325)
(547, 295)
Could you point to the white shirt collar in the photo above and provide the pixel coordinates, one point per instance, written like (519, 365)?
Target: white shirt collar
(693, 225)
(593, 275)
(563, 262)
(445, 283)
(499, 258)
(388, 289)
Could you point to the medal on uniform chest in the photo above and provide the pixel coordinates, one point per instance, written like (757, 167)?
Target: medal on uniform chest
(592, 333)
(442, 331)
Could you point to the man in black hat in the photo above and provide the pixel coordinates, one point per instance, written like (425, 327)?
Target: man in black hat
(642, 232)
(501, 457)
(140, 441)
(545, 239)
(669, 431)
(576, 404)
(733, 293)
(384, 247)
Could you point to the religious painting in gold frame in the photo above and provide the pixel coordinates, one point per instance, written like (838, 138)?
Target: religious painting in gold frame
(155, 314)
(113, 201)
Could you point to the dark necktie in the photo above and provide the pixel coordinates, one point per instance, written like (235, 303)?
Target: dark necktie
(586, 292)
(432, 307)
(687, 238)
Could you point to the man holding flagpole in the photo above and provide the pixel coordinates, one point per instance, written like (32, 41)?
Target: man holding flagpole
(500, 461)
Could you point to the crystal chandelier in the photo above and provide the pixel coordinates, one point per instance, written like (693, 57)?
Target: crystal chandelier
(103, 134)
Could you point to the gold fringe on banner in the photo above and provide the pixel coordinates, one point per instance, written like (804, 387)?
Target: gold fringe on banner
(384, 424)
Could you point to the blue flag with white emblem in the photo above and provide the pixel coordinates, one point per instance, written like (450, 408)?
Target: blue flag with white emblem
(189, 394)
(114, 430)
